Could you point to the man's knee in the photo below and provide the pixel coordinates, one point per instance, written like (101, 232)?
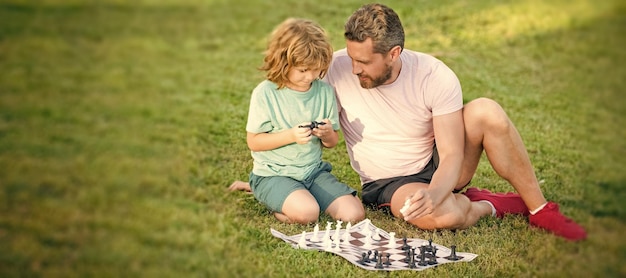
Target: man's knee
(487, 113)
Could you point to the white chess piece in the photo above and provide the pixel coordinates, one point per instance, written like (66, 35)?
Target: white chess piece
(368, 240)
(302, 241)
(392, 240)
(315, 236)
(346, 234)
(337, 230)
(327, 232)
(407, 204)
(376, 235)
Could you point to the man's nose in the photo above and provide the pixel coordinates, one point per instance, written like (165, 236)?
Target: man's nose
(356, 69)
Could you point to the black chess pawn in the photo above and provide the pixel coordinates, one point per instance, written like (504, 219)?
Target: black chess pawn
(363, 258)
(422, 261)
(388, 262)
(453, 256)
(369, 253)
(405, 245)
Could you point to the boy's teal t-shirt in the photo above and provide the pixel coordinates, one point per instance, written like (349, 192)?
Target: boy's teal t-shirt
(273, 110)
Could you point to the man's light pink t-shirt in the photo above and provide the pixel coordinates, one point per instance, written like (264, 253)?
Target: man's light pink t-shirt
(389, 129)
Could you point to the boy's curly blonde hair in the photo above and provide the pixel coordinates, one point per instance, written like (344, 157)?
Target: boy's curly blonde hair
(296, 43)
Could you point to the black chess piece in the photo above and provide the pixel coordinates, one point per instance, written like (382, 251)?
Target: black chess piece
(379, 261)
(363, 258)
(388, 261)
(453, 256)
(433, 257)
(369, 253)
(407, 255)
(422, 261)
(405, 245)
(411, 264)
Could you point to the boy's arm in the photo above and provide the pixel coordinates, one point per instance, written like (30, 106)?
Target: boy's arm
(327, 135)
(258, 142)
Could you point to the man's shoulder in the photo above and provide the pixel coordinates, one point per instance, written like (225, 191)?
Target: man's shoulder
(340, 58)
(420, 56)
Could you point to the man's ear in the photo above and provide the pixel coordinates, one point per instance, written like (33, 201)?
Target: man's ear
(394, 53)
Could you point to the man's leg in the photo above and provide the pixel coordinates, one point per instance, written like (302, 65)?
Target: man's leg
(488, 128)
(455, 212)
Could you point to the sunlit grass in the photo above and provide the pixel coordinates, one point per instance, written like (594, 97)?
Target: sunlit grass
(122, 123)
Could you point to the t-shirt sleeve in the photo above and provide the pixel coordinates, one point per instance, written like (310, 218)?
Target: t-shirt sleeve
(443, 91)
(259, 120)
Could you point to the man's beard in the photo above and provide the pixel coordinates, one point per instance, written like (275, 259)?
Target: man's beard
(380, 80)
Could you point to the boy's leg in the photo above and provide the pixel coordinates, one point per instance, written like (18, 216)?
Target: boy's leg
(347, 208)
(299, 207)
(289, 199)
(336, 198)
(240, 186)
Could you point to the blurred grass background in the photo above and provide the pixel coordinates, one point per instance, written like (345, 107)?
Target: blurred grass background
(122, 123)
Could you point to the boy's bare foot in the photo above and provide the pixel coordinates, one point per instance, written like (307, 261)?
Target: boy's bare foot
(240, 186)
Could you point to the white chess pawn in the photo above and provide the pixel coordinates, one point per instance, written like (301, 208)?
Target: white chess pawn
(327, 232)
(302, 241)
(392, 240)
(346, 234)
(315, 236)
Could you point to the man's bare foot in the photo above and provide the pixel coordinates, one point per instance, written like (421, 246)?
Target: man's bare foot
(240, 186)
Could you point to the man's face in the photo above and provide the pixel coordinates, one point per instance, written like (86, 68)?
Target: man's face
(373, 69)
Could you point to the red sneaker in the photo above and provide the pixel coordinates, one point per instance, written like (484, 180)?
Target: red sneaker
(549, 218)
(504, 203)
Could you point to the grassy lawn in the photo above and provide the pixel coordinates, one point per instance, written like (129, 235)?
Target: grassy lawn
(123, 122)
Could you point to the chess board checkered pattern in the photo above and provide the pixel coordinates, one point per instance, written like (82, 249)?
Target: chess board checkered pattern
(353, 248)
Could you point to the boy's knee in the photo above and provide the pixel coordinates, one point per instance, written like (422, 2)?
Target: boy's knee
(304, 215)
(353, 215)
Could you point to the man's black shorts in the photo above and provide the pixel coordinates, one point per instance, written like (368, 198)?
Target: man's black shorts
(377, 194)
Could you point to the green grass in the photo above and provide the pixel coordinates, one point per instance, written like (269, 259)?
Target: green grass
(122, 123)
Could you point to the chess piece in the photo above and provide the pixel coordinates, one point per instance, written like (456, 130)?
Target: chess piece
(363, 259)
(376, 234)
(453, 256)
(405, 246)
(422, 261)
(302, 241)
(346, 235)
(433, 257)
(388, 262)
(379, 261)
(392, 240)
(315, 236)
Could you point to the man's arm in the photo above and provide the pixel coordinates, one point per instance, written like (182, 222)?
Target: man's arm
(450, 139)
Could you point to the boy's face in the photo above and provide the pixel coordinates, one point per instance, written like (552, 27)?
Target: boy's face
(301, 77)
(373, 69)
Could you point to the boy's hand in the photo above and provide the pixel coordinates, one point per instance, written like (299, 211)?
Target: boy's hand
(302, 133)
(323, 130)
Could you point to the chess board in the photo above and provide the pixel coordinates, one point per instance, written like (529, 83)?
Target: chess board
(357, 245)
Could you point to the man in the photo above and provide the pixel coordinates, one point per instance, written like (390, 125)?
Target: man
(396, 103)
